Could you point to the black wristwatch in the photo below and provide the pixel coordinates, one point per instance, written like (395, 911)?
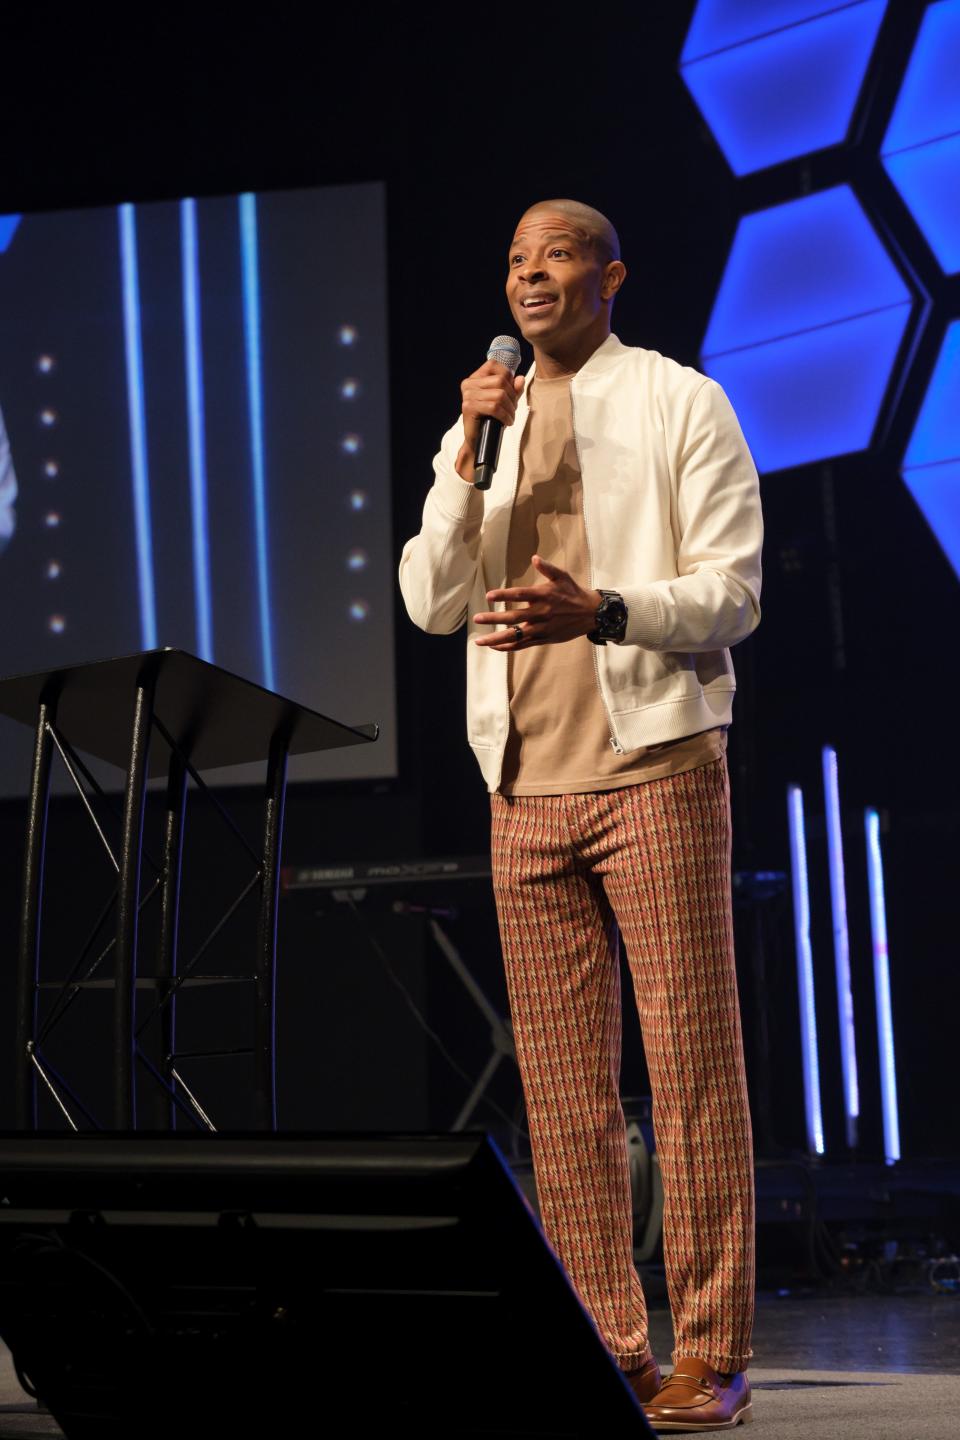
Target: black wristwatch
(611, 619)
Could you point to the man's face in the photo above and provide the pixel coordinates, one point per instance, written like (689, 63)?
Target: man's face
(554, 280)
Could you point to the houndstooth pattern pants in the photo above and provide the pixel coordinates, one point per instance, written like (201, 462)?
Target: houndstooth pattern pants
(653, 859)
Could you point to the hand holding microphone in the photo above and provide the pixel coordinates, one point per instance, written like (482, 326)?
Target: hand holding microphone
(489, 402)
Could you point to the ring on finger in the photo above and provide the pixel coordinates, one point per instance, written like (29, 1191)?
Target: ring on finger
(518, 632)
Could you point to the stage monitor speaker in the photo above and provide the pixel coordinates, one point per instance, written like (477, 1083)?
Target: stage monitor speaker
(197, 1286)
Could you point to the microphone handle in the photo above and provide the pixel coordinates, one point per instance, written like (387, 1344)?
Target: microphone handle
(488, 453)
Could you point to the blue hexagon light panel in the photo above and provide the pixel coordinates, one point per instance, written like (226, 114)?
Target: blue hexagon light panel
(921, 149)
(806, 326)
(8, 225)
(778, 78)
(931, 466)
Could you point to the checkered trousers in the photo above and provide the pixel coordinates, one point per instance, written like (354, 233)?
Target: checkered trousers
(654, 860)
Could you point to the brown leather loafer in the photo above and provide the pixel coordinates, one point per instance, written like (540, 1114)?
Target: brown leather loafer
(645, 1382)
(695, 1397)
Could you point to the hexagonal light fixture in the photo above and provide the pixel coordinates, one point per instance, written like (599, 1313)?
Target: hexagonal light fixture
(775, 79)
(921, 149)
(931, 466)
(8, 226)
(805, 329)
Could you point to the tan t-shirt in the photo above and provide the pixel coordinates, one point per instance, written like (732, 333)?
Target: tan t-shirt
(559, 741)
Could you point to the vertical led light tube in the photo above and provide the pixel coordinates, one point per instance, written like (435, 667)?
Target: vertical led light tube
(841, 945)
(251, 331)
(881, 985)
(136, 410)
(196, 427)
(801, 927)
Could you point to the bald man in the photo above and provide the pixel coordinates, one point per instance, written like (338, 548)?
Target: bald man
(603, 578)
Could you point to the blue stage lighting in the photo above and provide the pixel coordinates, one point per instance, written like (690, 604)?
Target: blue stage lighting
(806, 327)
(881, 986)
(921, 149)
(808, 1014)
(778, 78)
(931, 466)
(8, 226)
(841, 945)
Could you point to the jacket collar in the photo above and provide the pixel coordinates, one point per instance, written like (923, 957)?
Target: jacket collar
(603, 358)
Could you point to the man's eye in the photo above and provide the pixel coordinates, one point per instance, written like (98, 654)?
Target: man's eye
(558, 251)
(515, 259)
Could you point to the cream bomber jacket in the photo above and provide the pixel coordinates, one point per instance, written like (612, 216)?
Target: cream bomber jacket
(671, 506)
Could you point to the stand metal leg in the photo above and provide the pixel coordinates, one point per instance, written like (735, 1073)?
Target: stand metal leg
(265, 1069)
(128, 896)
(31, 900)
(478, 1091)
(169, 930)
(500, 1032)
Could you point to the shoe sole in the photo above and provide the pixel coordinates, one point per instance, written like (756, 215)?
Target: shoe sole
(742, 1417)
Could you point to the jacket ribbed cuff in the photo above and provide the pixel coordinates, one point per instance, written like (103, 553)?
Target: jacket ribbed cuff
(457, 497)
(644, 618)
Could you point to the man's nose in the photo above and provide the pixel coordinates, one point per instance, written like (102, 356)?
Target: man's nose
(532, 272)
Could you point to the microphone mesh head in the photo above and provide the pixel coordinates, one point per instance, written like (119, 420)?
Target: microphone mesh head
(505, 350)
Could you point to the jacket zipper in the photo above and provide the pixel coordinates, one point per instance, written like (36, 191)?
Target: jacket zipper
(614, 742)
(516, 482)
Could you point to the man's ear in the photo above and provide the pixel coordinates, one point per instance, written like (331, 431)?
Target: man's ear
(614, 275)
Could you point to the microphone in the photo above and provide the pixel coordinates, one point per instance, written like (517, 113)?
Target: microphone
(505, 350)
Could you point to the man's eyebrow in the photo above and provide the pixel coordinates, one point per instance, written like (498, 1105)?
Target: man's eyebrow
(554, 235)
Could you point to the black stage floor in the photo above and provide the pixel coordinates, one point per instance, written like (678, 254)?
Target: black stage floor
(864, 1367)
(869, 1350)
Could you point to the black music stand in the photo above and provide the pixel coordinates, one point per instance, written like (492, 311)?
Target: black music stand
(205, 717)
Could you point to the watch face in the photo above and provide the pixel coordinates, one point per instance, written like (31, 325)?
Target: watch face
(612, 616)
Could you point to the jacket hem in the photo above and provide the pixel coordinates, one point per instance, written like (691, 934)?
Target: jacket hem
(648, 725)
(672, 719)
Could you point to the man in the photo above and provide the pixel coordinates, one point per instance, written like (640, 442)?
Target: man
(603, 576)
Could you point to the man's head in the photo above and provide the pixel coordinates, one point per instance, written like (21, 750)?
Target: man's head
(564, 270)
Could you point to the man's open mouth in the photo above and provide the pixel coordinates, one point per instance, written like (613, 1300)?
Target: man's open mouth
(538, 302)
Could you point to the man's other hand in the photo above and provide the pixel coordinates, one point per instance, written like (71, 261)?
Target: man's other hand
(557, 610)
(493, 391)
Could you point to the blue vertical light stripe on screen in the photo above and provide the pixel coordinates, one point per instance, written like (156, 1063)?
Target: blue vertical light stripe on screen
(251, 329)
(881, 986)
(841, 943)
(138, 425)
(801, 928)
(196, 427)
